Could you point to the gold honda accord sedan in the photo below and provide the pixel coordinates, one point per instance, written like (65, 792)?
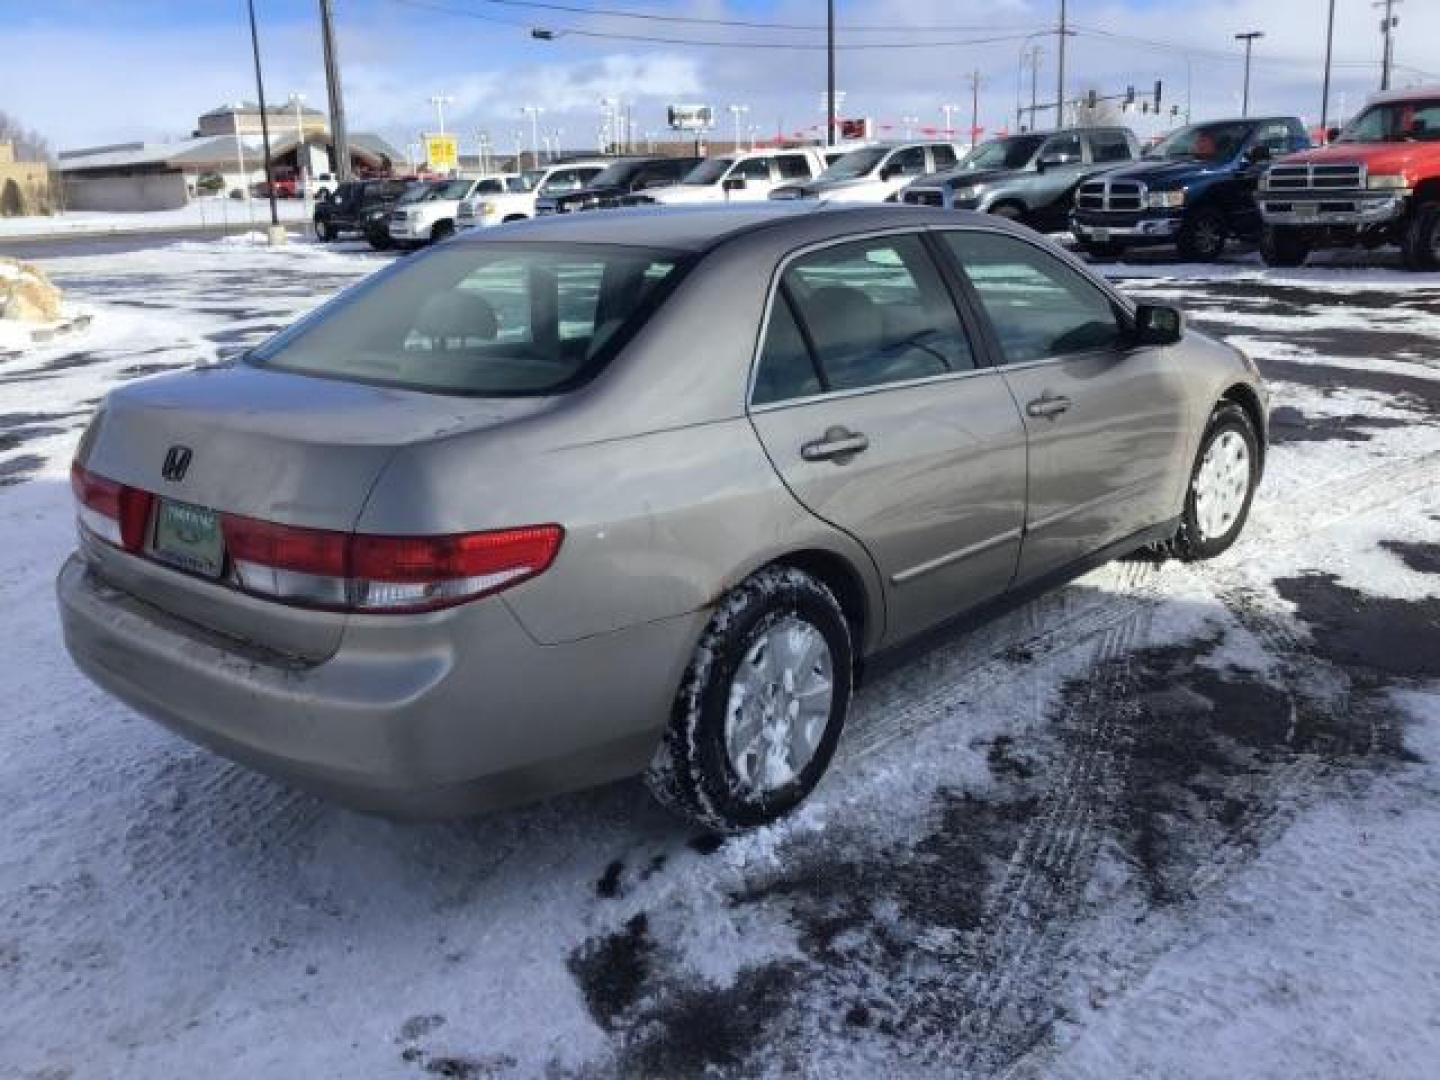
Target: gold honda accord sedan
(633, 492)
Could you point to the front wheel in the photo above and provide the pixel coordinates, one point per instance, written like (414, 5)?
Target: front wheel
(442, 230)
(761, 706)
(325, 232)
(1222, 485)
(1202, 235)
(1421, 242)
(1282, 247)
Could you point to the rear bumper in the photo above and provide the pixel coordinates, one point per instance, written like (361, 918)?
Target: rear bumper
(415, 717)
(1324, 210)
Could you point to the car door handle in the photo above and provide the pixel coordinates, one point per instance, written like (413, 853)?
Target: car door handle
(1048, 405)
(837, 444)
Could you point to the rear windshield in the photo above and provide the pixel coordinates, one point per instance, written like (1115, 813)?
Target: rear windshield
(489, 320)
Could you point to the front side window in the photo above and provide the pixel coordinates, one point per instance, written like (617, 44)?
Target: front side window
(754, 169)
(483, 320)
(793, 166)
(944, 155)
(860, 314)
(1275, 137)
(1064, 148)
(1417, 121)
(1040, 308)
(907, 162)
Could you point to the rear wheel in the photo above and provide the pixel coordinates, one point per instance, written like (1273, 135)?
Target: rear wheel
(1282, 247)
(761, 706)
(1222, 485)
(1421, 242)
(1202, 235)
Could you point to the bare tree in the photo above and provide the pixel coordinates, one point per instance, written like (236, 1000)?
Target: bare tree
(1101, 114)
(30, 145)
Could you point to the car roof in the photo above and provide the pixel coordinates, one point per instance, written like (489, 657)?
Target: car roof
(698, 228)
(1412, 93)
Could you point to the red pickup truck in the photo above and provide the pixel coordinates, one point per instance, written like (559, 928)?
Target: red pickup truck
(1377, 182)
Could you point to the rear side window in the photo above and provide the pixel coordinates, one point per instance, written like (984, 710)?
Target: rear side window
(862, 314)
(496, 320)
(1064, 147)
(1275, 137)
(1040, 307)
(793, 166)
(1109, 146)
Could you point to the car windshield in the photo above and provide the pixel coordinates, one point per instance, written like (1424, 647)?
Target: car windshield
(855, 164)
(1205, 142)
(1011, 153)
(531, 178)
(710, 171)
(1396, 121)
(417, 191)
(451, 189)
(499, 320)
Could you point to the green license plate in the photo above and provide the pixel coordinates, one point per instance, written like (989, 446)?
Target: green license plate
(189, 537)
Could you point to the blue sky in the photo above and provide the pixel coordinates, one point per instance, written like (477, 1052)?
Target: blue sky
(87, 73)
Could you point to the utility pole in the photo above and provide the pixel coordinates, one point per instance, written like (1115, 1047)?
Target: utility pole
(1035, 53)
(1249, 39)
(339, 135)
(1060, 73)
(1325, 93)
(974, 108)
(276, 233)
(1387, 27)
(829, 72)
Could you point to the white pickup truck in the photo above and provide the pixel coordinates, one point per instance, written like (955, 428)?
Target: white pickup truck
(485, 209)
(432, 216)
(748, 176)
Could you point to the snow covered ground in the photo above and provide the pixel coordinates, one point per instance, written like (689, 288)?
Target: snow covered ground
(198, 214)
(1167, 822)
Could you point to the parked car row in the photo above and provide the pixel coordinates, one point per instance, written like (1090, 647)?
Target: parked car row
(1255, 180)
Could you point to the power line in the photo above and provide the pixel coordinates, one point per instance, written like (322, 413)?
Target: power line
(654, 39)
(753, 24)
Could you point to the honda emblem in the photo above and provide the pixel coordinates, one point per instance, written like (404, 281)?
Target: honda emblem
(177, 460)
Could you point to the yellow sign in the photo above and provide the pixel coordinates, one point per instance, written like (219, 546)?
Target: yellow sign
(442, 152)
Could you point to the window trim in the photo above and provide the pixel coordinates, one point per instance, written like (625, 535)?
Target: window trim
(979, 343)
(1123, 305)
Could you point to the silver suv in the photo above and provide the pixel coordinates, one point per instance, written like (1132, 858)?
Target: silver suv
(603, 494)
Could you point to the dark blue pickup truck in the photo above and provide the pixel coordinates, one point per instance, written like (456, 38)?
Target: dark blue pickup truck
(1194, 189)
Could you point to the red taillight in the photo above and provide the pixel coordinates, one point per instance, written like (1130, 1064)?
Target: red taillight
(384, 573)
(117, 514)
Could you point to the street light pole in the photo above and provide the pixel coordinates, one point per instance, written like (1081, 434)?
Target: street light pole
(302, 171)
(1249, 39)
(974, 108)
(533, 112)
(737, 111)
(1059, 73)
(440, 101)
(949, 111)
(830, 72)
(275, 232)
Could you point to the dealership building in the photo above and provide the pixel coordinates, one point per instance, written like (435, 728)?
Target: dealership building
(227, 145)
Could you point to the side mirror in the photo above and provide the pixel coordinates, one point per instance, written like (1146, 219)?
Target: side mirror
(1257, 153)
(734, 183)
(1158, 324)
(1332, 134)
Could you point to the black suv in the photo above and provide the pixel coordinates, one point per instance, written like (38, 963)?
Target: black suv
(1194, 189)
(352, 204)
(619, 179)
